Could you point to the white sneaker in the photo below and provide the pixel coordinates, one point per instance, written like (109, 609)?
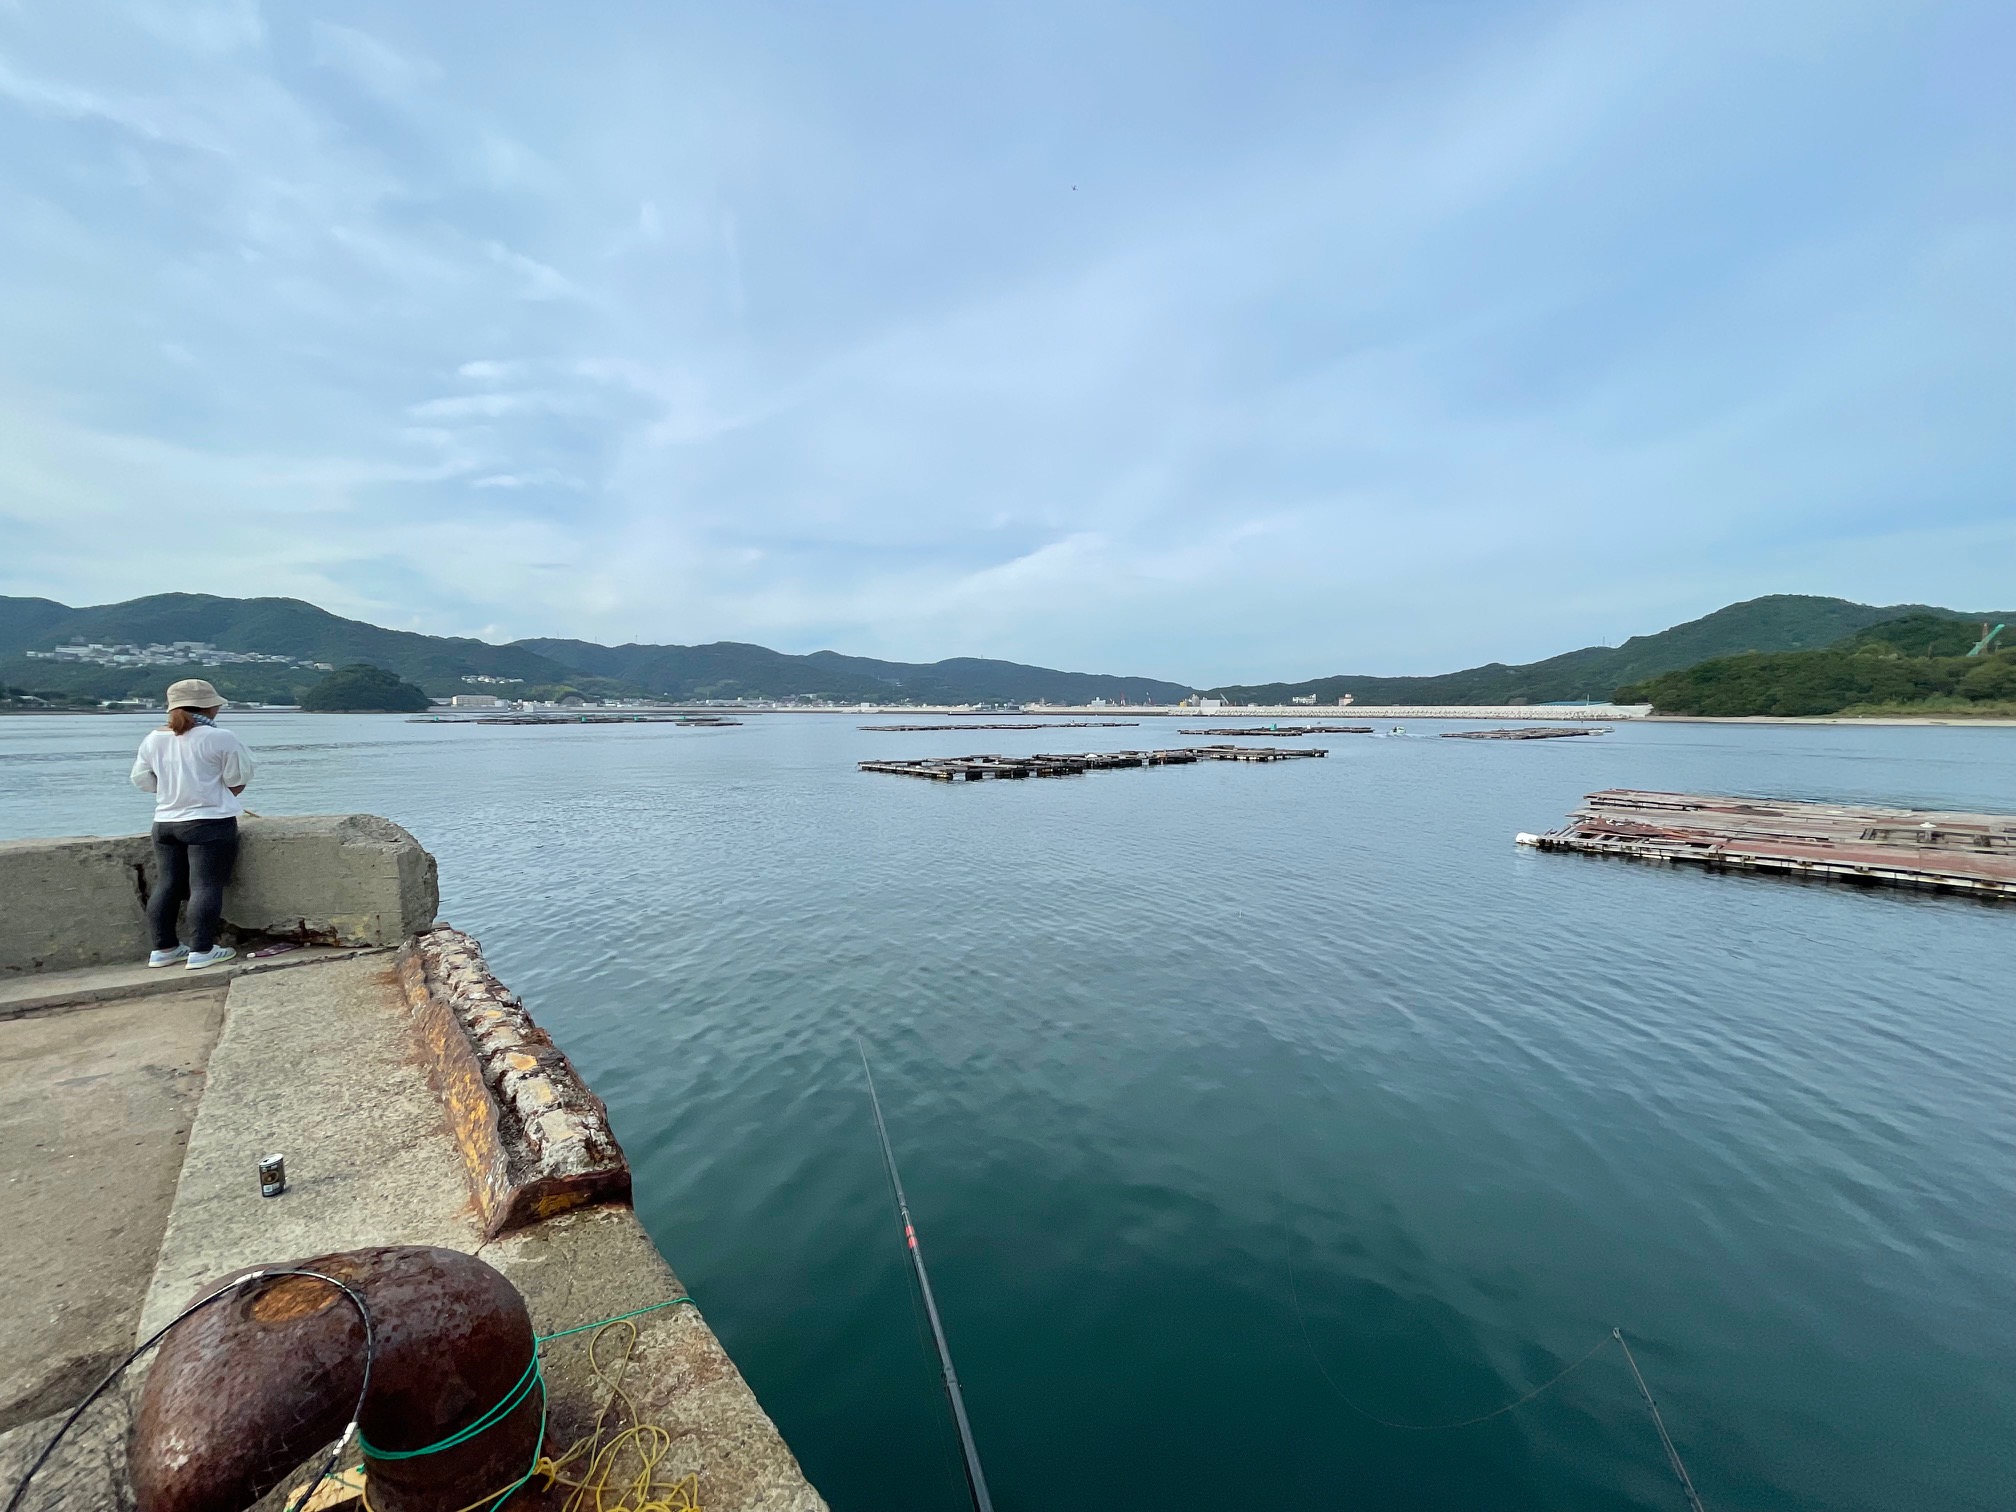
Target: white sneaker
(167, 957)
(198, 959)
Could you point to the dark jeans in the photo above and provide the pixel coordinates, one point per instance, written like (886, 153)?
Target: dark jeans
(192, 861)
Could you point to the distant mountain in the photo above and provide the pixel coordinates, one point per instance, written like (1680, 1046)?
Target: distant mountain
(730, 669)
(1924, 663)
(443, 664)
(275, 626)
(1778, 622)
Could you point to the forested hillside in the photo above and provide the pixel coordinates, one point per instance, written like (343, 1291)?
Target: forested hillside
(444, 665)
(1745, 658)
(1914, 662)
(1780, 622)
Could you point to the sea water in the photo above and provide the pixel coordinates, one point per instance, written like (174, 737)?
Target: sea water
(1243, 1106)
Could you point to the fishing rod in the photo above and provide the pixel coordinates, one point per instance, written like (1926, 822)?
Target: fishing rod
(976, 1479)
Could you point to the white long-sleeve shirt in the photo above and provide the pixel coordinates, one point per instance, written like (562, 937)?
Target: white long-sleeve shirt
(191, 776)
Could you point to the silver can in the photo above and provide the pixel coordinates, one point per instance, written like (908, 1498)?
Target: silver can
(272, 1175)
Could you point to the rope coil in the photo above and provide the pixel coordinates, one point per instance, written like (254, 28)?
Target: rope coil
(647, 1442)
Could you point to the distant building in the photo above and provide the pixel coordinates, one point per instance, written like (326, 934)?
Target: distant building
(161, 654)
(1345, 701)
(474, 701)
(1307, 698)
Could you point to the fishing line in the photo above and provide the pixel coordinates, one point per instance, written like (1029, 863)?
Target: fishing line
(976, 1479)
(1302, 1322)
(1616, 1335)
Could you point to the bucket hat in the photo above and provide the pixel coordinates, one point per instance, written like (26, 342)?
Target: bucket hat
(193, 693)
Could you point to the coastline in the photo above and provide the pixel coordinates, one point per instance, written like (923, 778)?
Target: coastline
(1497, 712)
(1962, 720)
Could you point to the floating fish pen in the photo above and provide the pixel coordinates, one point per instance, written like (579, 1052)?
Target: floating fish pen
(1974, 854)
(706, 721)
(1286, 730)
(1067, 724)
(984, 768)
(1526, 732)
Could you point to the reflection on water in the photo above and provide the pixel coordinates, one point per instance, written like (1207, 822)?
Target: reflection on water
(1146, 1036)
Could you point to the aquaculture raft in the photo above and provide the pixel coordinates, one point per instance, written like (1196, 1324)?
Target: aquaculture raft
(1974, 854)
(702, 720)
(1279, 730)
(1526, 732)
(981, 768)
(1069, 724)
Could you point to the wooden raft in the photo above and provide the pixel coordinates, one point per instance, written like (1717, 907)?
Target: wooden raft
(1527, 732)
(1974, 854)
(1067, 724)
(983, 768)
(1284, 730)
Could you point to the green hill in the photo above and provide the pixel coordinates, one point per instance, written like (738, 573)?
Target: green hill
(1914, 662)
(442, 665)
(1778, 622)
(274, 626)
(730, 669)
(363, 689)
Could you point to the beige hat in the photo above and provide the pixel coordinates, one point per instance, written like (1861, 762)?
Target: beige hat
(193, 693)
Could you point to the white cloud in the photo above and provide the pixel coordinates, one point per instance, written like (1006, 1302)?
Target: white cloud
(365, 60)
(486, 371)
(489, 406)
(537, 280)
(545, 477)
(817, 345)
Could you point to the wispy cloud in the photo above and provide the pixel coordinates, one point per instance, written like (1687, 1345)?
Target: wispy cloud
(365, 60)
(545, 477)
(1355, 340)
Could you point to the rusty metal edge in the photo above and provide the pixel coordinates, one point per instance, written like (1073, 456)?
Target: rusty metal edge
(507, 1176)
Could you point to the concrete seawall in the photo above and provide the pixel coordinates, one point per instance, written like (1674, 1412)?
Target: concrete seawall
(341, 879)
(415, 1098)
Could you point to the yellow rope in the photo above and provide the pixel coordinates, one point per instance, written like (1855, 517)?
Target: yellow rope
(647, 1444)
(644, 1443)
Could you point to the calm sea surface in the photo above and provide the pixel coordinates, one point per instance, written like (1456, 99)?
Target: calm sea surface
(1225, 1093)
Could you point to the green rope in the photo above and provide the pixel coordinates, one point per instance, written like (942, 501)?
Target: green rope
(619, 1318)
(490, 1419)
(533, 1376)
(538, 1448)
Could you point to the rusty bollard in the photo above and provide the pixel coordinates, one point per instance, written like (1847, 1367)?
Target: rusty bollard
(246, 1390)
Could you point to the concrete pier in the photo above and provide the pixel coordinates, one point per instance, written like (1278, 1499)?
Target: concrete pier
(414, 1097)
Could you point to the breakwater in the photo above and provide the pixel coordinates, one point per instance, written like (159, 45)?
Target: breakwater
(416, 1102)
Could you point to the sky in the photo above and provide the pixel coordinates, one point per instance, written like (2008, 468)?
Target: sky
(1217, 342)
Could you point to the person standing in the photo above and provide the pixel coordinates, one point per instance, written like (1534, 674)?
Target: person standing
(195, 769)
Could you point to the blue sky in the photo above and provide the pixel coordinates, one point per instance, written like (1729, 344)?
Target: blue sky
(1209, 341)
